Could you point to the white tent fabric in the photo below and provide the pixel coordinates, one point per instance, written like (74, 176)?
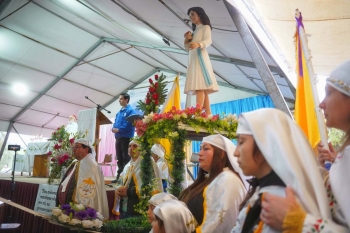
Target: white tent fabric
(57, 49)
(327, 23)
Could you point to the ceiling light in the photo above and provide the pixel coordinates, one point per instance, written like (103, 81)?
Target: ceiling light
(19, 89)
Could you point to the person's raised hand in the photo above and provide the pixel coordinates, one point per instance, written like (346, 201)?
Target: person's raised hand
(275, 208)
(324, 154)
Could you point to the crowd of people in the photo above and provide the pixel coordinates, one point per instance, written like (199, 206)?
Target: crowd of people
(288, 189)
(272, 181)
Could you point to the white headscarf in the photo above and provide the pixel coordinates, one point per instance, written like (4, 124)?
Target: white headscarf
(340, 78)
(160, 198)
(176, 216)
(157, 150)
(86, 142)
(134, 142)
(226, 145)
(289, 154)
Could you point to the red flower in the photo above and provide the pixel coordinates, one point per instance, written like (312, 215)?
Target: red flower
(148, 101)
(58, 128)
(57, 147)
(71, 141)
(155, 96)
(150, 80)
(156, 85)
(156, 76)
(65, 156)
(53, 159)
(151, 89)
(60, 161)
(49, 153)
(156, 102)
(60, 140)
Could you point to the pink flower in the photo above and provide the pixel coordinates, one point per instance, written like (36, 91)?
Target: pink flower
(53, 159)
(60, 161)
(57, 147)
(49, 153)
(71, 141)
(60, 141)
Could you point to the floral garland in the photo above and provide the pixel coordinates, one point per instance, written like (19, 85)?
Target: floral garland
(77, 215)
(166, 125)
(61, 151)
(155, 96)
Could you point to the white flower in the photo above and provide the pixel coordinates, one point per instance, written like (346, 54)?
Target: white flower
(56, 211)
(97, 223)
(148, 118)
(99, 215)
(210, 116)
(75, 221)
(63, 218)
(79, 206)
(87, 223)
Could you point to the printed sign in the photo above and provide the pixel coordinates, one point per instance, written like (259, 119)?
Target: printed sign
(46, 198)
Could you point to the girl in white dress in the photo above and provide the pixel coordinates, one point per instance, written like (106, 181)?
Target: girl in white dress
(200, 78)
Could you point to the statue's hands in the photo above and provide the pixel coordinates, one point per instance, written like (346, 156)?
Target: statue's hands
(188, 36)
(194, 45)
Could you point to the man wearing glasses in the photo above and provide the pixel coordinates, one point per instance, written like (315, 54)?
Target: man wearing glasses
(83, 182)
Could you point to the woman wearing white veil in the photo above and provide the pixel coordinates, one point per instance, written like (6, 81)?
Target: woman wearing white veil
(216, 194)
(274, 149)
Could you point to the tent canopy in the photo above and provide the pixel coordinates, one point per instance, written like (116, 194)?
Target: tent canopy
(64, 50)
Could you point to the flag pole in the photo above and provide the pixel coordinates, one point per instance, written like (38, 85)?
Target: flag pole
(318, 111)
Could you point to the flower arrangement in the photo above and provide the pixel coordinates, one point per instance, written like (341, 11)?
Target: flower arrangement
(61, 151)
(155, 96)
(168, 125)
(77, 215)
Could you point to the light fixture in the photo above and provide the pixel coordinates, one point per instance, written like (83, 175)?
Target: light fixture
(20, 89)
(166, 41)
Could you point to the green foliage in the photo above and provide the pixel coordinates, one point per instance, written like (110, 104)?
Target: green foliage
(132, 225)
(336, 137)
(171, 125)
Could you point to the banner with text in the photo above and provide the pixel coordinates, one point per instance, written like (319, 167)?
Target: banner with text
(46, 198)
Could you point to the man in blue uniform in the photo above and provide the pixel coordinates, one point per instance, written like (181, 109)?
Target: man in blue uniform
(123, 131)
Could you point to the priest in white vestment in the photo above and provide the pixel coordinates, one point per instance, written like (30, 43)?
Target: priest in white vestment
(83, 181)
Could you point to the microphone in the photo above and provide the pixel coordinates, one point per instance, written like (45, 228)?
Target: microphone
(99, 107)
